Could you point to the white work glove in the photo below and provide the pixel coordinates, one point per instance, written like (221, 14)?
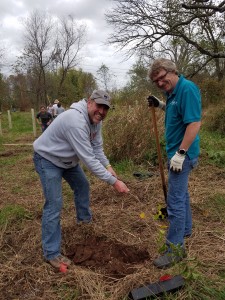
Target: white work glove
(176, 162)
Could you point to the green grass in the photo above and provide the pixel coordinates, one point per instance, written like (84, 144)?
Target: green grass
(22, 127)
(206, 290)
(221, 274)
(125, 167)
(216, 206)
(213, 147)
(12, 214)
(14, 159)
(21, 122)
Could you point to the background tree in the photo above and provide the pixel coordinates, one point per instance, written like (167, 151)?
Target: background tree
(70, 40)
(1, 57)
(50, 46)
(16, 90)
(105, 76)
(3, 94)
(140, 25)
(37, 52)
(206, 5)
(78, 85)
(2, 54)
(138, 76)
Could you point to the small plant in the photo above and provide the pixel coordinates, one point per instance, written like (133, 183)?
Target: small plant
(160, 215)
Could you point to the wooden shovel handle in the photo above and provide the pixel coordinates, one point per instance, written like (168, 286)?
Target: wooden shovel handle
(159, 153)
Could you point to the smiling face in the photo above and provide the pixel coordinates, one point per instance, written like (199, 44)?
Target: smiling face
(165, 80)
(96, 112)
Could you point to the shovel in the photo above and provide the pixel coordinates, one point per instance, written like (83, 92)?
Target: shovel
(163, 210)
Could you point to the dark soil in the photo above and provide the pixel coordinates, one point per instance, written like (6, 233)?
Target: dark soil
(114, 259)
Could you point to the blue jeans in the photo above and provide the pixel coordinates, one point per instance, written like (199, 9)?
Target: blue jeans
(178, 204)
(51, 180)
(44, 127)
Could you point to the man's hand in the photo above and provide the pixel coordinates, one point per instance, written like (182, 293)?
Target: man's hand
(153, 101)
(176, 162)
(110, 169)
(120, 186)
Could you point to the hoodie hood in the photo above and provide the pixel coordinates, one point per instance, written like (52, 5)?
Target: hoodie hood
(81, 106)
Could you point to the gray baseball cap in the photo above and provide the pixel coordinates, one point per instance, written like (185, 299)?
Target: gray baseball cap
(101, 97)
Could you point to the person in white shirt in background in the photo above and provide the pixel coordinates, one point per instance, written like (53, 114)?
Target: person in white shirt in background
(55, 107)
(50, 109)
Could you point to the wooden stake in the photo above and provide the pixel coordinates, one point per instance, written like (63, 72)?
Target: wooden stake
(10, 119)
(34, 123)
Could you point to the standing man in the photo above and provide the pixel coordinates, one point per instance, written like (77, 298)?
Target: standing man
(59, 109)
(182, 124)
(74, 136)
(44, 118)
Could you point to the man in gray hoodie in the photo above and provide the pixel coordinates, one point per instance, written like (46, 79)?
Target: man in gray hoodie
(74, 136)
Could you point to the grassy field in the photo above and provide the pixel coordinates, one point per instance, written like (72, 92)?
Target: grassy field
(114, 254)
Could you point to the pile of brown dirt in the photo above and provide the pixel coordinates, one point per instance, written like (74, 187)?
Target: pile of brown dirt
(115, 259)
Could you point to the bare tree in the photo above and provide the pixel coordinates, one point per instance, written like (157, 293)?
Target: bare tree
(50, 45)
(188, 60)
(1, 55)
(38, 50)
(142, 24)
(206, 5)
(71, 38)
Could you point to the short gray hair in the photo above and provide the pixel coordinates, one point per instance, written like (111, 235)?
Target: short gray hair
(162, 64)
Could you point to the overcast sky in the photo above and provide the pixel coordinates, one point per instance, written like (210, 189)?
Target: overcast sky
(91, 12)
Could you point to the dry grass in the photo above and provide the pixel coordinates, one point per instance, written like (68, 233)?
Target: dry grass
(24, 274)
(129, 133)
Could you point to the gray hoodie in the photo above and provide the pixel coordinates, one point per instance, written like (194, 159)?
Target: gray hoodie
(70, 138)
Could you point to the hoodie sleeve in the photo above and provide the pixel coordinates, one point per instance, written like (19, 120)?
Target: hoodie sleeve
(79, 138)
(97, 145)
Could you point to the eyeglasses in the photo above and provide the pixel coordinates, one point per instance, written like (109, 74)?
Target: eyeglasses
(160, 78)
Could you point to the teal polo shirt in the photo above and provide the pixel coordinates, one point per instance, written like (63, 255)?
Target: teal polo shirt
(183, 106)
